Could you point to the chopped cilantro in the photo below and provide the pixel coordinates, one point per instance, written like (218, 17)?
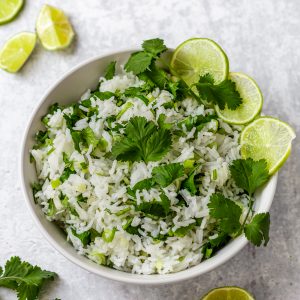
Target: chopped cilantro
(164, 175)
(110, 70)
(156, 208)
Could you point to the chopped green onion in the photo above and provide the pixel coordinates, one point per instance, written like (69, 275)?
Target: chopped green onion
(108, 234)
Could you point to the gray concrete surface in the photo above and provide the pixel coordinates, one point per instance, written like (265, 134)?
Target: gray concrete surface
(261, 38)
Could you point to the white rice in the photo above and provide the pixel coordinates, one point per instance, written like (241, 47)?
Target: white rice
(104, 184)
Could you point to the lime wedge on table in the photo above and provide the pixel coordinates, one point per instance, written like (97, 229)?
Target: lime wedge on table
(16, 51)
(199, 56)
(252, 101)
(267, 138)
(9, 9)
(228, 293)
(53, 28)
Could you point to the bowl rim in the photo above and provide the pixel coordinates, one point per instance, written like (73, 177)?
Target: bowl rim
(156, 279)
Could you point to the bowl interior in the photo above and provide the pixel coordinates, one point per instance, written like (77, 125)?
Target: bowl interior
(69, 90)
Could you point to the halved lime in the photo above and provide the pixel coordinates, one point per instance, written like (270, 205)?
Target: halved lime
(9, 9)
(267, 138)
(228, 293)
(53, 28)
(16, 51)
(199, 56)
(252, 101)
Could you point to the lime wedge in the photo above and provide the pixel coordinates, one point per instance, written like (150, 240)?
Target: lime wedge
(16, 51)
(228, 293)
(9, 9)
(252, 101)
(53, 28)
(199, 56)
(267, 138)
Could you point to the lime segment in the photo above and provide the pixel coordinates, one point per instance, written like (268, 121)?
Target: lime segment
(228, 293)
(267, 138)
(252, 101)
(53, 28)
(199, 56)
(16, 51)
(9, 9)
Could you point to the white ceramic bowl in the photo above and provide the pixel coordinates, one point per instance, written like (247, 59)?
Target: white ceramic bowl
(68, 90)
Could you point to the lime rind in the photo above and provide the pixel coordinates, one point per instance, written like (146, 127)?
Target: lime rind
(199, 56)
(16, 51)
(228, 292)
(267, 138)
(9, 10)
(252, 101)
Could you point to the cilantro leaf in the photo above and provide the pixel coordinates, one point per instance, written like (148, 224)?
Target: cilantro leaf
(258, 229)
(165, 175)
(143, 140)
(138, 62)
(89, 137)
(144, 184)
(222, 94)
(189, 184)
(110, 70)
(156, 208)
(103, 95)
(226, 212)
(154, 46)
(182, 231)
(196, 121)
(24, 278)
(136, 92)
(249, 174)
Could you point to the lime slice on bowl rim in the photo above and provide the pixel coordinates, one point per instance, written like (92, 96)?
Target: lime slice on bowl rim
(228, 293)
(16, 51)
(252, 101)
(9, 10)
(267, 138)
(53, 28)
(199, 56)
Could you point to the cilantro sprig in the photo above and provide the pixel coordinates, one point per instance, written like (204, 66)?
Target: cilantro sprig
(24, 278)
(223, 94)
(143, 140)
(248, 175)
(141, 61)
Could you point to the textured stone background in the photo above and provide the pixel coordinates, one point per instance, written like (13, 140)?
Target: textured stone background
(261, 38)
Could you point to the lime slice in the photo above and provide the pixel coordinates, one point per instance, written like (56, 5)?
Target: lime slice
(16, 51)
(228, 293)
(267, 138)
(252, 101)
(199, 56)
(9, 9)
(53, 28)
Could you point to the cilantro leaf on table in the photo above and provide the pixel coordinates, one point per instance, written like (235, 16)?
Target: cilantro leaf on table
(164, 175)
(257, 230)
(154, 46)
(110, 70)
(222, 94)
(24, 278)
(249, 174)
(143, 140)
(226, 212)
